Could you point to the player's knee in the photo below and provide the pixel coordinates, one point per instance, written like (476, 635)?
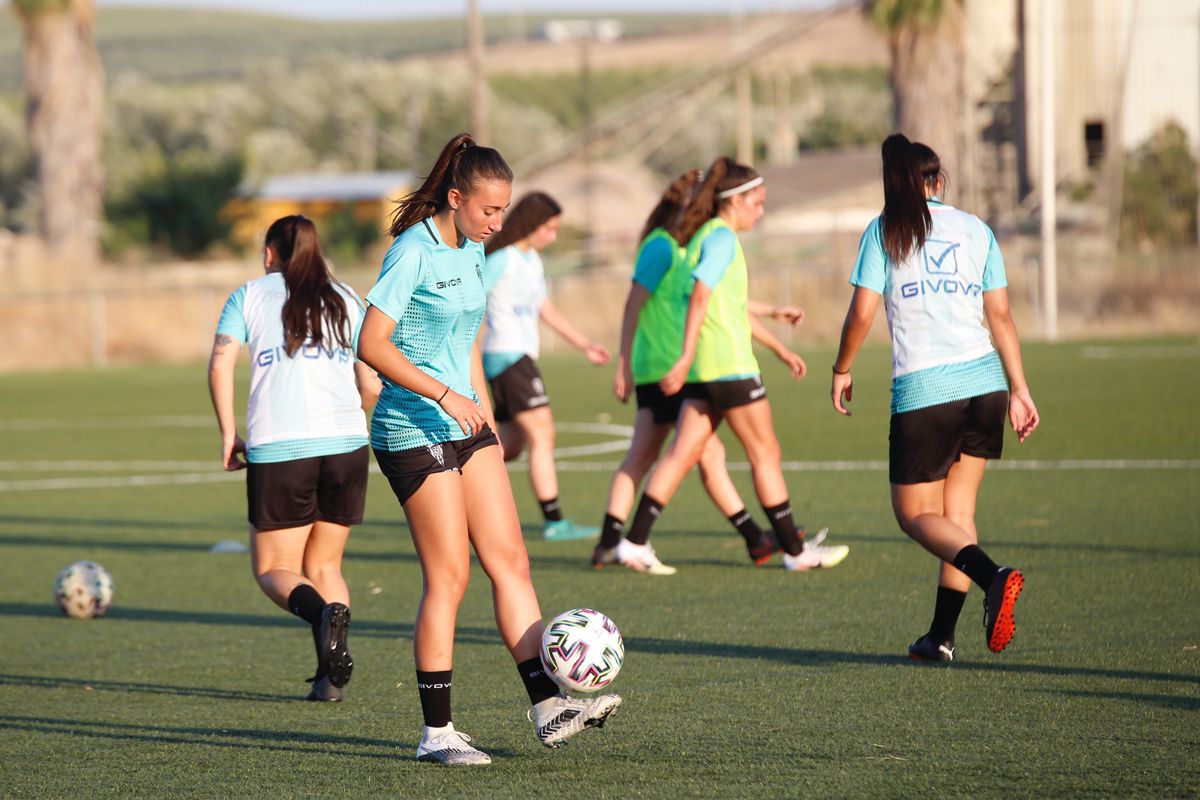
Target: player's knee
(447, 585)
(321, 570)
(767, 454)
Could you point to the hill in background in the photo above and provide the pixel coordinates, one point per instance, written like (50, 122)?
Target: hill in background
(181, 45)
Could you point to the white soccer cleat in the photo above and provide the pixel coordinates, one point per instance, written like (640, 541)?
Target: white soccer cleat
(557, 719)
(450, 747)
(816, 555)
(642, 558)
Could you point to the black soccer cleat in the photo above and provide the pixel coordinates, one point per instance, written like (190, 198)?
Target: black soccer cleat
(336, 663)
(761, 551)
(323, 691)
(998, 604)
(926, 649)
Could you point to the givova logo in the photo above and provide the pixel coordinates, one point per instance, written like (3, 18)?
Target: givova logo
(448, 284)
(274, 355)
(940, 259)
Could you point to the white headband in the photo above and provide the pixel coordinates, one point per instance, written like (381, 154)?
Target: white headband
(745, 187)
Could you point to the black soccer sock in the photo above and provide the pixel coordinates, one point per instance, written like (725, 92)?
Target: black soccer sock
(434, 688)
(611, 532)
(306, 603)
(790, 537)
(976, 564)
(538, 684)
(648, 511)
(945, 614)
(747, 527)
(551, 509)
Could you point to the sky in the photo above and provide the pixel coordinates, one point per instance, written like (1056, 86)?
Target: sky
(391, 9)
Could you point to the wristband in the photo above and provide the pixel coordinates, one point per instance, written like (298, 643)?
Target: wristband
(841, 372)
(443, 397)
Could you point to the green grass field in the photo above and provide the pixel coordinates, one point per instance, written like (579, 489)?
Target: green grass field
(738, 682)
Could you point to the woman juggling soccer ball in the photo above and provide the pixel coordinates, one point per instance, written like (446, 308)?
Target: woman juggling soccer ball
(941, 277)
(651, 341)
(307, 456)
(717, 372)
(515, 281)
(435, 443)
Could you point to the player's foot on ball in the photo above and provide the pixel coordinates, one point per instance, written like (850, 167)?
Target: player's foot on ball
(642, 558)
(603, 556)
(323, 691)
(336, 662)
(761, 552)
(565, 530)
(927, 649)
(449, 747)
(998, 605)
(557, 719)
(816, 555)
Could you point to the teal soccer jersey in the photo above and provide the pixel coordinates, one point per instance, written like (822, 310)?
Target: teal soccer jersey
(434, 293)
(941, 350)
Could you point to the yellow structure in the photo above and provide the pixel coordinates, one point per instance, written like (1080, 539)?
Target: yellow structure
(370, 197)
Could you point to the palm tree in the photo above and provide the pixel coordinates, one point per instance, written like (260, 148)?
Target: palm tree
(926, 40)
(64, 95)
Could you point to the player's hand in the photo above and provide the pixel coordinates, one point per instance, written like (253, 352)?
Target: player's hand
(232, 451)
(794, 363)
(465, 411)
(596, 353)
(674, 380)
(1022, 413)
(623, 381)
(792, 315)
(842, 392)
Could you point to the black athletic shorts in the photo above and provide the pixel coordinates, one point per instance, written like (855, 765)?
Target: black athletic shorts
(288, 494)
(724, 395)
(406, 470)
(924, 444)
(519, 388)
(664, 408)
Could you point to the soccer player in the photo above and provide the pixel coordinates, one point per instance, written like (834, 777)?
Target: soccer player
(717, 371)
(515, 281)
(940, 274)
(306, 449)
(651, 339)
(436, 445)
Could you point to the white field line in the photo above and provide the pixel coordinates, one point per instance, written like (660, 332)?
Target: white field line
(134, 481)
(70, 424)
(105, 466)
(1105, 352)
(124, 482)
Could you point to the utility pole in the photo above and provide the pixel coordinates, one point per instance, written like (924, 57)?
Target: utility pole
(480, 127)
(1049, 195)
(742, 90)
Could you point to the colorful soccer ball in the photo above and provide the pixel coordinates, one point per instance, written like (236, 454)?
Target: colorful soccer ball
(83, 590)
(582, 650)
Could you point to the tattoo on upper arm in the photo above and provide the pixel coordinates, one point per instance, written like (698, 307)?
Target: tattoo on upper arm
(221, 341)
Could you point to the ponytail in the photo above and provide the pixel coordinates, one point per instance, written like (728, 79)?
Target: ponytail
(723, 176)
(530, 213)
(669, 212)
(313, 305)
(461, 164)
(908, 167)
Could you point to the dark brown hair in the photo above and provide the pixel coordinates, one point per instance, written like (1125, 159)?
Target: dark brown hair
(674, 201)
(723, 175)
(530, 213)
(313, 306)
(461, 165)
(908, 167)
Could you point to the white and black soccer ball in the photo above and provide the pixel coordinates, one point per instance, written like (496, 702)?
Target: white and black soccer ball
(582, 650)
(83, 590)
